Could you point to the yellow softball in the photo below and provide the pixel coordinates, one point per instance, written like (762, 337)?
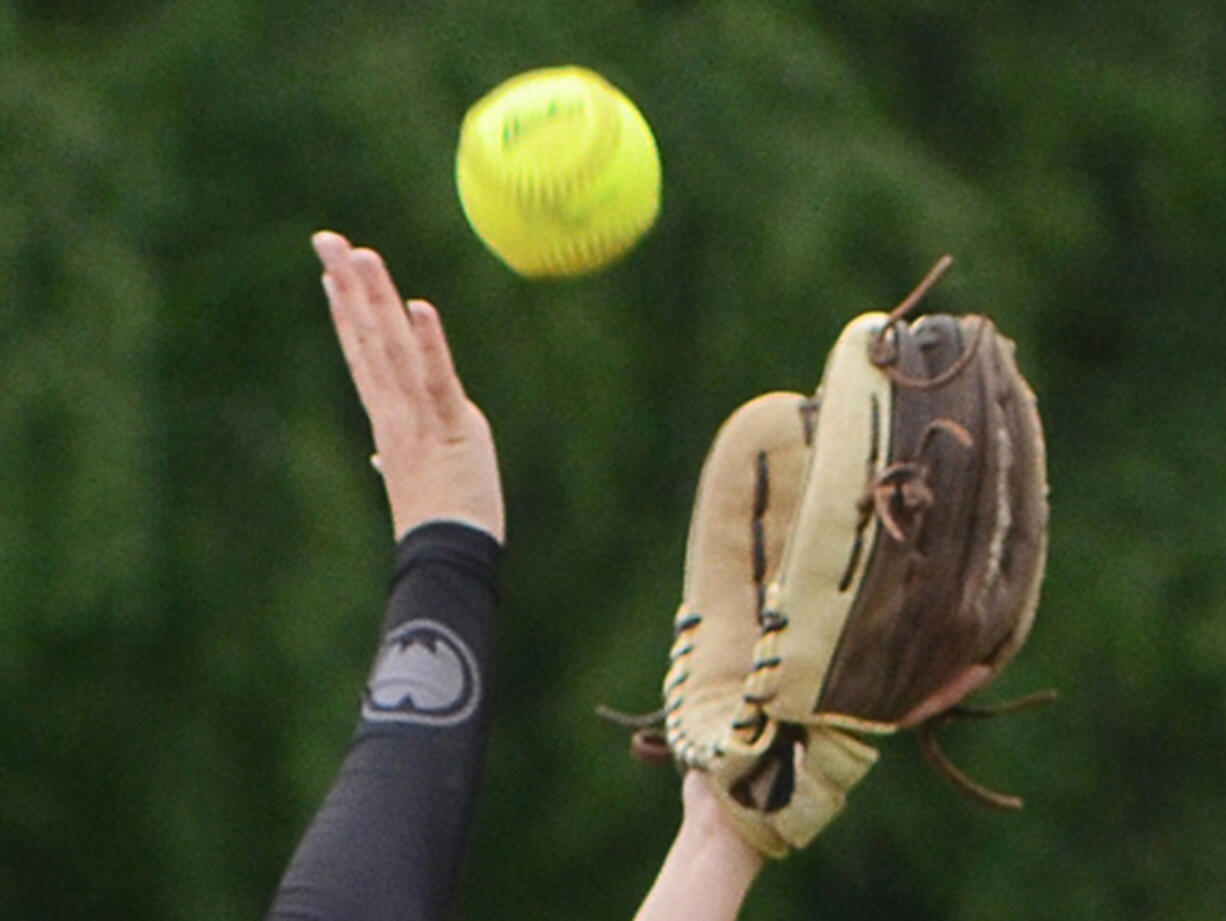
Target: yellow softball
(558, 172)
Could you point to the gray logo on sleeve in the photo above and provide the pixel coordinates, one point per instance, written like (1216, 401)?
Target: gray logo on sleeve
(424, 675)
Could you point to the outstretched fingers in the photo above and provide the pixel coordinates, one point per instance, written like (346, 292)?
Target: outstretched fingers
(399, 349)
(355, 324)
(372, 323)
(397, 354)
(439, 377)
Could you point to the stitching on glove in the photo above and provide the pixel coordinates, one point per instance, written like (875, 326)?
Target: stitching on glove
(808, 417)
(761, 499)
(687, 622)
(865, 507)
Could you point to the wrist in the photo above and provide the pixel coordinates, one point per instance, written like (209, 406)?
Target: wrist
(709, 869)
(706, 829)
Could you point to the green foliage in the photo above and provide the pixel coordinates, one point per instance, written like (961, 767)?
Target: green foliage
(193, 550)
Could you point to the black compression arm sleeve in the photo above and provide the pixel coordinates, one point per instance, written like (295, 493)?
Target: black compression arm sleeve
(388, 840)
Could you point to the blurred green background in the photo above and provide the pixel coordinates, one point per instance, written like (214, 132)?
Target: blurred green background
(194, 551)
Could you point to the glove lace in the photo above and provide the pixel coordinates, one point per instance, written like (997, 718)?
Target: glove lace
(939, 761)
(884, 352)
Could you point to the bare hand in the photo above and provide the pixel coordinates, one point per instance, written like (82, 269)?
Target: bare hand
(435, 448)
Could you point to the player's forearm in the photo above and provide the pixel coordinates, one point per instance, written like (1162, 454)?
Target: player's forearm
(709, 869)
(388, 840)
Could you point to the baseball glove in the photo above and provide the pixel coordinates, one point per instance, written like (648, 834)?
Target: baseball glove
(857, 563)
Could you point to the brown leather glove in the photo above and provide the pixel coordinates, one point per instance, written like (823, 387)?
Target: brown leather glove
(857, 563)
